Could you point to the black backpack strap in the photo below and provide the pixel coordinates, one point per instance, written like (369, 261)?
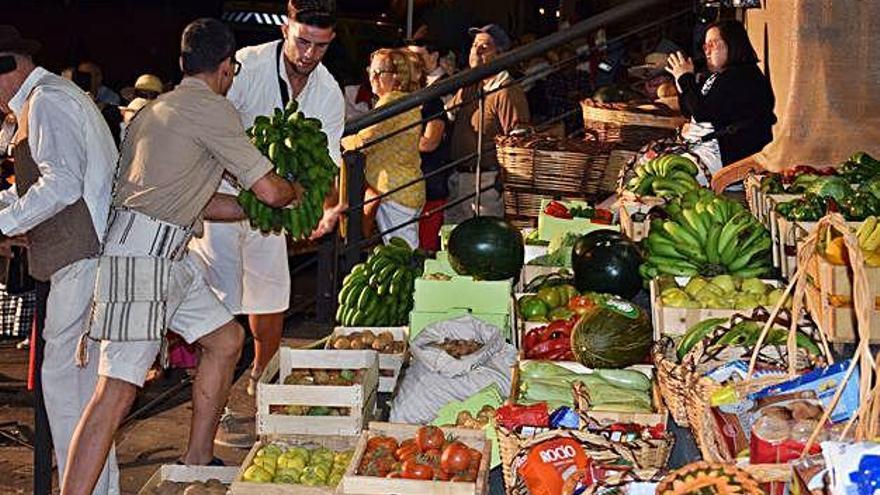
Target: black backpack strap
(282, 84)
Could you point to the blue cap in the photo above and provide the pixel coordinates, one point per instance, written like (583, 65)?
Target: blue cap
(502, 40)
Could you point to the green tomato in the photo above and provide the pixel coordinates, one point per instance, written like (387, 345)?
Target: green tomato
(560, 314)
(530, 307)
(550, 296)
(566, 292)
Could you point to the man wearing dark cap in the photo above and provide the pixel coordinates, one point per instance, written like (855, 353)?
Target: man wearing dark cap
(247, 269)
(505, 110)
(174, 155)
(64, 162)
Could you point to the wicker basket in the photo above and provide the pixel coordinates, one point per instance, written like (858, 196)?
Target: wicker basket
(672, 379)
(639, 454)
(626, 126)
(700, 390)
(529, 165)
(643, 454)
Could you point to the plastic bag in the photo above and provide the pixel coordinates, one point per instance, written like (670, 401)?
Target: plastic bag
(436, 378)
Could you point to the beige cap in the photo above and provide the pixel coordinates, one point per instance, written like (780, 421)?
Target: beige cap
(135, 105)
(144, 82)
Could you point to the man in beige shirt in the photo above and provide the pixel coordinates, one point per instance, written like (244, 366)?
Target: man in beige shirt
(175, 153)
(505, 109)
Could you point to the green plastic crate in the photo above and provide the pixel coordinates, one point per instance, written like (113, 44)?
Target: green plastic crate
(418, 320)
(440, 265)
(550, 227)
(479, 296)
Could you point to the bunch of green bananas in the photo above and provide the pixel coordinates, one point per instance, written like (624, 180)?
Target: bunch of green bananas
(379, 292)
(667, 176)
(707, 235)
(298, 149)
(744, 333)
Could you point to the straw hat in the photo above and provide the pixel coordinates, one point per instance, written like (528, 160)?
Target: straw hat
(146, 86)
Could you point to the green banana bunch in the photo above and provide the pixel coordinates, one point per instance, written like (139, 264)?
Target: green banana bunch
(667, 176)
(379, 292)
(706, 235)
(298, 149)
(744, 333)
(869, 234)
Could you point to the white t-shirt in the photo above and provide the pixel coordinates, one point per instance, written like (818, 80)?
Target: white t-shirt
(255, 91)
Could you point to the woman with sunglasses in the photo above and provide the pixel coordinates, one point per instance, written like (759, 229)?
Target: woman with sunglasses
(393, 161)
(731, 110)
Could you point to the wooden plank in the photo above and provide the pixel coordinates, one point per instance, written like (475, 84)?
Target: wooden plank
(241, 487)
(188, 474)
(354, 484)
(829, 301)
(359, 398)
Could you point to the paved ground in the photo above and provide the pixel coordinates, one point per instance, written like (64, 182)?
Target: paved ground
(145, 443)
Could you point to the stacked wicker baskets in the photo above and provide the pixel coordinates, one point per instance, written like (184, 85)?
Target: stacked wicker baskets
(539, 167)
(629, 126)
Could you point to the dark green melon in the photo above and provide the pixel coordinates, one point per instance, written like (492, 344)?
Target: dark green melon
(613, 334)
(487, 248)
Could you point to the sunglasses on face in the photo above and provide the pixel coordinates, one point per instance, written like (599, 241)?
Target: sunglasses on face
(379, 72)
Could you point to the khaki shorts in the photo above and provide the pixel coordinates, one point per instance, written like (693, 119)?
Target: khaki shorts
(194, 311)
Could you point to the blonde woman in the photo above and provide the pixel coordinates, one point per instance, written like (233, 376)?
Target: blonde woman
(394, 161)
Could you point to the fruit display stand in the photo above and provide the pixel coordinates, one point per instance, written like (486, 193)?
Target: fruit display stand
(438, 300)
(359, 398)
(188, 474)
(242, 487)
(674, 322)
(355, 484)
(389, 364)
(830, 300)
(550, 227)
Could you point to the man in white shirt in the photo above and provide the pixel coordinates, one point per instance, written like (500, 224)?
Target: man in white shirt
(64, 167)
(247, 269)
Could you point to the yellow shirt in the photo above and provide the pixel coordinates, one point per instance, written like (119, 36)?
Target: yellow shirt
(395, 161)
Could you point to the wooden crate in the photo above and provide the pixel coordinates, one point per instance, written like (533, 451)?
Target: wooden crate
(242, 487)
(635, 230)
(389, 363)
(530, 272)
(674, 322)
(359, 398)
(187, 474)
(354, 484)
(605, 419)
(752, 188)
(790, 234)
(829, 301)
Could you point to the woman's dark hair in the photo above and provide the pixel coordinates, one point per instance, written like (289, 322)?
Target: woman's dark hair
(205, 44)
(739, 47)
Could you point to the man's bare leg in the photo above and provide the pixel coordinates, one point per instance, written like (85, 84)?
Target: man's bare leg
(94, 435)
(267, 330)
(220, 352)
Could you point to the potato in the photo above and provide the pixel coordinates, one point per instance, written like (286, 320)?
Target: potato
(386, 337)
(342, 342)
(367, 338)
(167, 488)
(379, 345)
(357, 344)
(196, 489)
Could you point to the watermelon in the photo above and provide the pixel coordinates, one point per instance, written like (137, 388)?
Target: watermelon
(613, 334)
(486, 248)
(607, 261)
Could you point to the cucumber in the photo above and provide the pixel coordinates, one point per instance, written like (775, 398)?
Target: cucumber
(628, 379)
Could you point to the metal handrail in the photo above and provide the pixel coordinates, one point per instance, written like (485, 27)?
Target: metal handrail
(503, 62)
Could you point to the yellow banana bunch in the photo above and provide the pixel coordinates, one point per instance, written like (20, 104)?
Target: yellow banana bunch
(869, 240)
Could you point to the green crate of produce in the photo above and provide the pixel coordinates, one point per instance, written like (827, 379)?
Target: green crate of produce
(418, 320)
(480, 296)
(550, 227)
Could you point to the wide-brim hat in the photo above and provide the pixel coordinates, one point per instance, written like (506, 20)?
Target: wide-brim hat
(145, 85)
(11, 41)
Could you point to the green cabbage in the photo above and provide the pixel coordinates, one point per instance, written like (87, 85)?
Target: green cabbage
(831, 186)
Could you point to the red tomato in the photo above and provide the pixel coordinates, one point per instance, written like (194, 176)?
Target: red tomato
(414, 470)
(456, 457)
(476, 457)
(429, 437)
(441, 475)
(383, 442)
(406, 451)
(432, 457)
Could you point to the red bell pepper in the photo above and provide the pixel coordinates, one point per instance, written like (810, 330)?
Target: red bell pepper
(533, 338)
(513, 416)
(553, 347)
(603, 216)
(557, 209)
